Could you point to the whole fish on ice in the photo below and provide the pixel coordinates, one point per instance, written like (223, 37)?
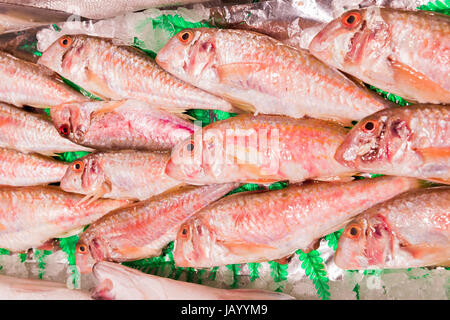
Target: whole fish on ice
(264, 226)
(119, 125)
(260, 74)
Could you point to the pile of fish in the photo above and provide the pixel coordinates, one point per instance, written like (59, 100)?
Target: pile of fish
(154, 176)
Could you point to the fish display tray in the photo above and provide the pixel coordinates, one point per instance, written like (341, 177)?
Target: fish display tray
(311, 275)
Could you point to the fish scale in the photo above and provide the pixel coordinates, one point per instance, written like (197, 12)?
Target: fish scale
(28, 132)
(121, 72)
(263, 75)
(264, 226)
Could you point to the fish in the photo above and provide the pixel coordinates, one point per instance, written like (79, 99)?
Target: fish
(14, 288)
(262, 75)
(31, 132)
(101, 9)
(270, 225)
(27, 84)
(16, 17)
(119, 125)
(410, 141)
(116, 72)
(129, 174)
(113, 283)
(143, 229)
(29, 216)
(260, 149)
(408, 231)
(29, 169)
(406, 53)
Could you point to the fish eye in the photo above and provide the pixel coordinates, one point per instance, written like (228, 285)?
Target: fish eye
(65, 41)
(184, 232)
(369, 126)
(190, 147)
(351, 19)
(185, 36)
(82, 249)
(64, 129)
(353, 231)
(78, 166)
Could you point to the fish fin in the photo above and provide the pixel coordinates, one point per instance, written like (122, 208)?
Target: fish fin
(433, 154)
(130, 250)
(423, 250)
(231, 72)
(439, 180)
(48, 154)
(314, 245)
(342, 178)
(70, 233)
(240, 104)
(285, 260)
(108, 107)
(178, 112)
(97, 194)
(48, 245)
(99, 86)
(406, 76)
(242, 248)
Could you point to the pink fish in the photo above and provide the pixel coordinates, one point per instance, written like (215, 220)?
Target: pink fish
(264, 226)
(119, 175)
(115, 125)
(408, 231)
(260, 149)
(262, 75)
(118, 282)
(403, 52)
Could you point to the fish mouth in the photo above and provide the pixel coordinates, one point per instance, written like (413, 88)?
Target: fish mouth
(162, 59)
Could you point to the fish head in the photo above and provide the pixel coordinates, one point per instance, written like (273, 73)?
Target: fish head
(84, 176)
(366, 242)
(353, 40)
(375, 143)
(87, 253)
(190, 54)
(199, 159)
(193, 245)
(70, 120)
(62, 53)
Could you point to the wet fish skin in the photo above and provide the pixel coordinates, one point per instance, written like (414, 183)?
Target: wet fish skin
(119, 175)
(403, 52)
(119, 125)
(101, 9)
(260, 149)
(142, 230)
(12, 288)
(29, 216)
(29, 132)
(22, 169)
(409, 231)
(265, 226)
(404, 141)
(26, 83)
(118, 72)
(113, 282)
(262, 75)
